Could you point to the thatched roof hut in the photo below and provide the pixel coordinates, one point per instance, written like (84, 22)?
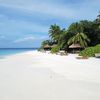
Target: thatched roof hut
(73, 46)
(47, 47)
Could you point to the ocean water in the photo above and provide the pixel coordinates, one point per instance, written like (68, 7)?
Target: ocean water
(10, 51)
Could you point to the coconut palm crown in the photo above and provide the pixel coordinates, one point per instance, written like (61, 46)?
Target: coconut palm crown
(80, 38)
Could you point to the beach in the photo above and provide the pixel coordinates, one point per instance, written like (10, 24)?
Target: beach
(35, 75)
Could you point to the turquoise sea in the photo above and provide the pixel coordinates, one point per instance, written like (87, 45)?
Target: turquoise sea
(10, 51)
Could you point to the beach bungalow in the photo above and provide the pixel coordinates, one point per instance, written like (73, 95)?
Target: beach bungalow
(47, 47)
(75, 48)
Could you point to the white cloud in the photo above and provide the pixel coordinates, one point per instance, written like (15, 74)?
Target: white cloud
(24, 39)
(42, 37)
(47, 8)
(54, 9)
(30, 38)
(20, 27)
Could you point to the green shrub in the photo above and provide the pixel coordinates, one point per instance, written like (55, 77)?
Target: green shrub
(97, 49)
(90, 51)
(98, 45)
(55, 49)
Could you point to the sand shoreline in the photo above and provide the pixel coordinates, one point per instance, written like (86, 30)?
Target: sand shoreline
(40, 76)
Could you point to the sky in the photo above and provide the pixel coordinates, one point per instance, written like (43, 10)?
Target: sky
(25, 23)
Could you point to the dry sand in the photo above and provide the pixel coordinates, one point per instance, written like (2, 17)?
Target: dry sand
(41, 76)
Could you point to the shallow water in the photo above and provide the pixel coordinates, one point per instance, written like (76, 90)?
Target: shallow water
(10, 51)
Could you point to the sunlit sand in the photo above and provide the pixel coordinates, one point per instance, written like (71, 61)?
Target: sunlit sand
(41, 76)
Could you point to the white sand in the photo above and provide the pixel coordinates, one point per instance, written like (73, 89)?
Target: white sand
(40, 76)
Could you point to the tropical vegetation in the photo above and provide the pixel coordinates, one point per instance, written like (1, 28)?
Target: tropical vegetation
(85, 32)
(90, 51)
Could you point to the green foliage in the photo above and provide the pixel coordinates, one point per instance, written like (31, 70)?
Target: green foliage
(98, 45)
(62, 38)
(55, 49)
(75, 28)
(54, 32)
(90, 51)
(58, 36)
(86, 33)
(80, 38)
(46, 42)
(90, 28)
(97, 48)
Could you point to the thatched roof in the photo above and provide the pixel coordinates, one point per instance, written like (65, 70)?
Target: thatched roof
(75, 46)
(47, 46)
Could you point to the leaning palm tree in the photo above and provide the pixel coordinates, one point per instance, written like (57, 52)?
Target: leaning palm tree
(79, 38)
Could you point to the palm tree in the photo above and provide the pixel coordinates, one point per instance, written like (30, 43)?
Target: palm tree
(78, 34)
(79, 38)
(54, 32)
(64, 36)
(75, 28)
(61, 38)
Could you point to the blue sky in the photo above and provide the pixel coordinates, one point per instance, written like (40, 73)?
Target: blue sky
(25, 23)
